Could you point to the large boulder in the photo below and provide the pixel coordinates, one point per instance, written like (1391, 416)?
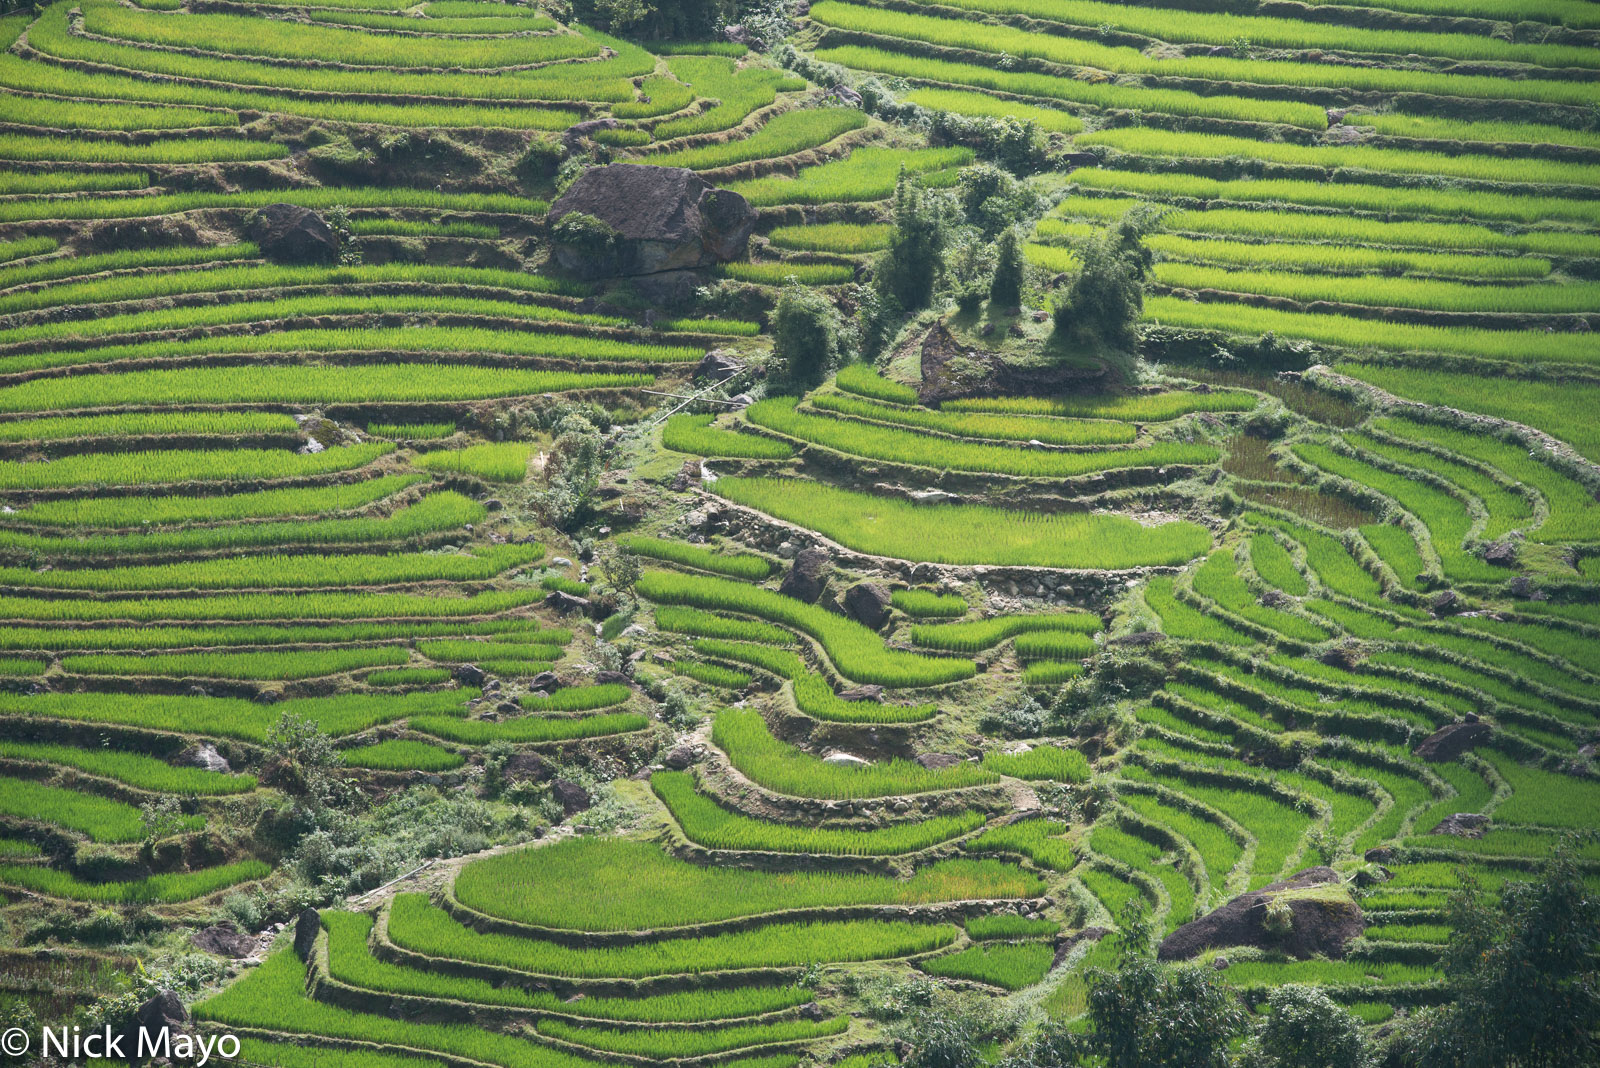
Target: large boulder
(159, 1017)
(1450, 741)
(868, 604)
(306, 927)
(572, 797)
(1324, 920)
(290, 233)
(808, 576)
(647, 220)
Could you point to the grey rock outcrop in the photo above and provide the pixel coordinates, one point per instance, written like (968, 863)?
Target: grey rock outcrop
(868, 604)
(1324, 920)
(290, 233)
(661, 218)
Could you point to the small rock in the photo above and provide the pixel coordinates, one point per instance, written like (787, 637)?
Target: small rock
(612, 678)
(1500, 553)
(470, 675)
(545, 680)
(1463, 825)
(846, 760)
(868, 692)
(1450, 741)
(224, 940)
(204, 755)
(527, 767)
(560, 561)
(680, 758)
(718, 365)
(933, 761)
(312, 447)
(563, 603)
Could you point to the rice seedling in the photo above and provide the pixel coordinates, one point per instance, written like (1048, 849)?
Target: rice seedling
(1223, 28)
(868, 173)
(1315, 404)
(840, 238)
(1357, 334)
(1544, 798)
(982, 105)
(1051, 672)
(896, 445)
(477, 25)
(710, 674)
(925, 604)
(421, 928)
(464, 651)
(268, 572)
(1037, 839)
(285, 308)
(1145, 141)
(1386, 200)
(735, 565)
(638, 886)
(1112, 892)
(577, 698)
(980, 634)
(415, 228)
(1423, 293)
(322, 197)
(780, 272)
(1078, 52)
(1051, 431)
(417, 339)
(299, 607)
(134, 769)
(435, 514)
(1573, 513)
(858, 653)
(1276, 826)
(751, 748)
(229, 717)
(941, 73)
(783, 135)
(967, 533)
(1218, 851)
(27, 149)
(528, 729)
(690, 1042)
(812, 694)
(183, 465)
(127, 259)
(738, 92)
(24, 247)
(707, 823)
(1344, 260)
(402, 754)
(259, 384)
(1008, 966)
(1179, 620)
(1553, 406)
(1436, 128)
(1143, 408)
(1446, 517)
(350, 960)
(863, 381)
(1050, 762)
(1556, 12)
(730, 327)
(708, 625)
(148, 424)
(493, 462)
(408, 677)
(274, 665)
(240, 35)
(695, 435)
(565, 585)
(1328, 559)
(97, 818)
(1007, 926)
(1275, 567)
(1258, 974)
(1145, 856)
(411, 431)
(1506, 510)
(1218, 580)
(1052, 258)
(167, 889)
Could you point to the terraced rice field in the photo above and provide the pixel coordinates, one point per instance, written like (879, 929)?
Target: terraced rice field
(1074, 461)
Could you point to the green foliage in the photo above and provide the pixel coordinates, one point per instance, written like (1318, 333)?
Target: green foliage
(805, 335)
(907, 271)
(1104, 301)
(1305, 1027)
(1005, 288)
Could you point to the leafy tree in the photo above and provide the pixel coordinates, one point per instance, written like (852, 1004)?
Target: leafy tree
(1306, 1029)
(1005, 288)
(994, 201)
(1104, 301)
(572, 472)
(805, 334)
(1145, 1013)
(305, 763)
(909, 269)
(1524, 976)
(942, 1040)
